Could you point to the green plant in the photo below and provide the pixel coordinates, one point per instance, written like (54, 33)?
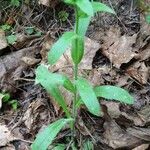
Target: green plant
(15, 3)
(145, 7)
(84, 93)
(5, 97)
(63, 16)
(5, 27)
(11, 39)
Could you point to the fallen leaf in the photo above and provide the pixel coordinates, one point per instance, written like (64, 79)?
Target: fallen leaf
(139, 71)
(112, 108)
(12, 66)
(118, 138)
(8, 147)
(145, 54)
(30, 116)
(5, 136)
(144, 114)
(3, 41)
(49, 3)
(30, 61)
(142, 147)
(118, 48)
(141, 133)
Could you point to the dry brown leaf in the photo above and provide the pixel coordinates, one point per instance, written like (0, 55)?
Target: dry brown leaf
(141, 133)
(145, 54)
(95, 77)
(142, 147)
(3, 41)
(30, 61)
(31, 114)
(11, 64)
(139, 71)
(134, 117)
(112, 108)
(119, 48)
(144, 114)
(117, 138)
(49, 3)
(5, 136)
(8, 147)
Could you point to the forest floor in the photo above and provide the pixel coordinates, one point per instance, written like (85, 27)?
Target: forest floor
(117, 52)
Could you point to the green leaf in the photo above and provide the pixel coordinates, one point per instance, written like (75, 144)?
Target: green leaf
(60, 46)
(14, 104)
(45, 138)
(148, 18)
(44, 76)
(50, 81)
(97, 6)
(85, 6)
(71, 2)
(115, 93)
(15, 3)
(55, 92)
(11, 39)
(77, 50)
(29, 30)
(59, 147)
(5, 97)
(6, 27)
(83, 23)
(88, 96)
(88, 145)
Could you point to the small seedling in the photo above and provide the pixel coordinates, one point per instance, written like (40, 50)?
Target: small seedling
(145, 8)
(5, 27)
(63, 16)
(84, 93)
(15, 3)
(11, 39)
(5, 97)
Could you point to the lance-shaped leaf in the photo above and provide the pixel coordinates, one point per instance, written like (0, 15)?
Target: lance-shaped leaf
(97, 6)
(50, 82)
(85, 6)
(83, 23)
(88, 96)
(77, 50)
(46, 137)
(43, 76)
(55, 92)
(115, 93)
(60, 46)
(72, 2)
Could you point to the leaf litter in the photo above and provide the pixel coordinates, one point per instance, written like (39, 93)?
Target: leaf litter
(111, 57)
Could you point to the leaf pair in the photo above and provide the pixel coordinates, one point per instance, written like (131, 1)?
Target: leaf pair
(89, 95)
(77, 40)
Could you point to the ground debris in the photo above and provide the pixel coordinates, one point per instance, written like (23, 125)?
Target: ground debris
(5, 136)
(3, 41)
(119, 48)
(118, 138)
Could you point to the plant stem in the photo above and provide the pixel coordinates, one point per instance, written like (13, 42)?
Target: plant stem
(74, 110)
